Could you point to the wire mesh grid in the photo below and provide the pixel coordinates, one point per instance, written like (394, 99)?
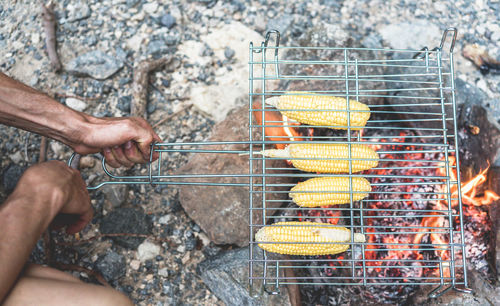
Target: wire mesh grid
(428, 82)
(420, 156)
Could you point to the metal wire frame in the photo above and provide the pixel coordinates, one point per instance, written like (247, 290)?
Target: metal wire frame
(426, 68)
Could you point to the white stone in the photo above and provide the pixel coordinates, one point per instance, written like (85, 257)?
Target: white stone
(412, 35)
(150, 8)
(163, 272)
(76, 104)
(135, 264)
(35, 37)
(218, 99)
(147, 250)
(16, 157)
(134, 42)
(165, 219)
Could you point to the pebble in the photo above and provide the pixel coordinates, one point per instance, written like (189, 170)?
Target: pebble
(95, 64)
(78, 11)
(76, 104)
(229, 53)
(112, 266)
(124, 103)
(87, 162)
(168, 21)
(135, 264)
(150, 8)
(165, 219)
(163, 272)
(147, 250)
(16, 157)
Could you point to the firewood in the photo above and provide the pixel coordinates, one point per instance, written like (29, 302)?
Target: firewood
(140, 85)
(49, 24)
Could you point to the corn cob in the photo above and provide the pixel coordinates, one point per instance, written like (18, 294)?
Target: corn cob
(320, 238)
(321, 191)
(327, 158)
(294, 106)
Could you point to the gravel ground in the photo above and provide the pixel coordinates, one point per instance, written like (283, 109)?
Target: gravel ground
(162, 269)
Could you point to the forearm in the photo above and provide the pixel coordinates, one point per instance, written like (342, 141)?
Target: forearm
(23, 218)
(28, 109)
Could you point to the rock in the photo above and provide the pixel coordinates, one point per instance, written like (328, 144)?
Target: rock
(163, 272)
(229, 53)
(124, 103)
(165, 219)
(95, 64)
(126, 220)
(112, 266)
(115, 194)
(135, 264)
(218, 99)
(415, 35)
(168, 21)
(11, 176)
(227, 277)
(227, 222)
(468, 93)
(157, 47)
(78, 11)
(16, 158)
(150, 8)
(76, 104)
(147, 250)
(282, 23)
(87, 162)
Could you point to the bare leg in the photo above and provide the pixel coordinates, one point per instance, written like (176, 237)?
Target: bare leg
(46, 286)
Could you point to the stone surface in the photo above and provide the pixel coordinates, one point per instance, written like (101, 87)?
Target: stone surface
(112, 266)
(412, 35)
(76, 104)
(168, 21)
(222, 212)
(126, 220)
(95, 64)
(218, 99)
(147, 250)
(78, 11)
(115, 194)
(227, 277)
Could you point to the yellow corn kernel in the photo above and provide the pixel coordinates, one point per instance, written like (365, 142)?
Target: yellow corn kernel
(321, 191)
(313, 238)
(327, 158)
(328, 111)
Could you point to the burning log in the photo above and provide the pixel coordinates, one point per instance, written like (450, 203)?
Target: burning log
(480, 57)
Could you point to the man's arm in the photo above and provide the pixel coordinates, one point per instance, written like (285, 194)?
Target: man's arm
(123, 141)
(44, 191)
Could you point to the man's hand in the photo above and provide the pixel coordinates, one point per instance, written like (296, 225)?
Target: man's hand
(123, 141)
(63, 192)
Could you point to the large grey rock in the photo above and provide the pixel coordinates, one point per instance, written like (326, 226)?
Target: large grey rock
(223, 212)
(227, 277)
(112, 266)
(126, 220)
(95, 64)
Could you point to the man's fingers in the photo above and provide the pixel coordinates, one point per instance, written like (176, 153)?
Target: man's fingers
(132, 153)
(110, 158)
(120, 157)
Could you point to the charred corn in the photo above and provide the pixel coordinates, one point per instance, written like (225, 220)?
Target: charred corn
(326, 158)
(321, 191)
(305, 238)
(321, 110)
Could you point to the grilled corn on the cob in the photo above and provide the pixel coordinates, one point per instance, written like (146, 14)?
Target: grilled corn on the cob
(328, 111)
(327, 158)
(321, 191)
(305, 238)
